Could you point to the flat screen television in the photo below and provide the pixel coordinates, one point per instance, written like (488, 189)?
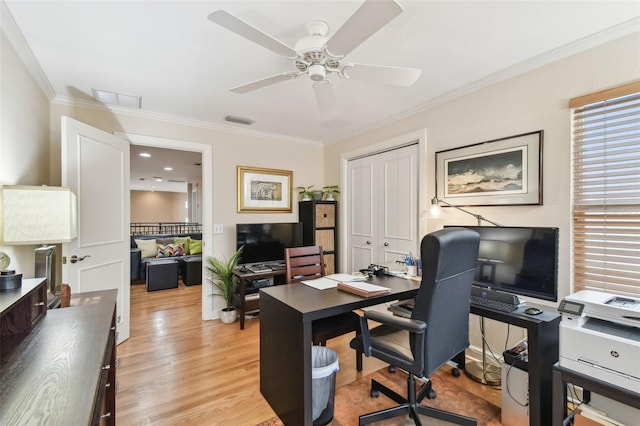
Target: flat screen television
(518, 260)
(265, 242)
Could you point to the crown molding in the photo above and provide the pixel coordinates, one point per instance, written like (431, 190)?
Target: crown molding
(16, 38)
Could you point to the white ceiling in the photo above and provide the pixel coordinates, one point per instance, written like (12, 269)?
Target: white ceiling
(182, 64)
(149, 174)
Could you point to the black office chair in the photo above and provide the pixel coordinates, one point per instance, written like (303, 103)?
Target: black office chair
(437, 330)
(307, 263)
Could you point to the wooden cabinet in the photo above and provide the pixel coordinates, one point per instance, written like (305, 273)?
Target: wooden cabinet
(320, 228)
(63, 371)
(22, 308)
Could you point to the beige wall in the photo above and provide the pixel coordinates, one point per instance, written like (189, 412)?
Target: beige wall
(157, 206)
(536, 100)
(24, 137)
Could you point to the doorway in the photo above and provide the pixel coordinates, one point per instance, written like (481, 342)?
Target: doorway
(206, 191)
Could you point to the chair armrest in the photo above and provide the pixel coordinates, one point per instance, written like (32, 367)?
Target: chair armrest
(414, 326)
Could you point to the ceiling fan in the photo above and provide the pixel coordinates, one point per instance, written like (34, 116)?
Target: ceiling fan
(319, 56)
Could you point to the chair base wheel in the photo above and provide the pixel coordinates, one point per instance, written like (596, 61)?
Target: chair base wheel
(374, 393)
(392, 369)
(455, 372)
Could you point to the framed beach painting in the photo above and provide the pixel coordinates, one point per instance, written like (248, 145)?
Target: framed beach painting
(506, 171)
(264, 190)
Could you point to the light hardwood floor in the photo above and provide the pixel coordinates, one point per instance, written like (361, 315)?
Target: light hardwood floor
(177, 369)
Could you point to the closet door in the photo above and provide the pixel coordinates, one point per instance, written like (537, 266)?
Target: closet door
(362, 215)
(397, 226)
(383, 207)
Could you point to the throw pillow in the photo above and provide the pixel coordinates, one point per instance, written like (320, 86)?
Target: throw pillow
(166, 250)
(185, 241)
(195, 246)
(147, 248)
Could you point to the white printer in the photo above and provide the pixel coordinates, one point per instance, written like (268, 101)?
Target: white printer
(600, 337)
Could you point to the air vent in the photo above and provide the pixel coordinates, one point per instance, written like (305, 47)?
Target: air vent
(239, 120)
(177, 181)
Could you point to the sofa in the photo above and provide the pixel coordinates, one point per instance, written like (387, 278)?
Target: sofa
(155, 248)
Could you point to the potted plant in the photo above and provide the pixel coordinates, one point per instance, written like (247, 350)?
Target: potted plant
(306, 192)
(329, 190)
(220, 274)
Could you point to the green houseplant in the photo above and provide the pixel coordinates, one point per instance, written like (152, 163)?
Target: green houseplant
(329, 190)
(306, 192)
(220, 274)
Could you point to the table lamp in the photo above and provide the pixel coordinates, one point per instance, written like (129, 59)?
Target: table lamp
(33, 215)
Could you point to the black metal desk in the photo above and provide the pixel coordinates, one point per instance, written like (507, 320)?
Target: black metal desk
(563, 375)
(543, 351)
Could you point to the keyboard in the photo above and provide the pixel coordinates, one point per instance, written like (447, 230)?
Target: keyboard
(493, 304)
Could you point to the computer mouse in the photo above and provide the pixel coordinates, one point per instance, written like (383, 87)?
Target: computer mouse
(532, 311)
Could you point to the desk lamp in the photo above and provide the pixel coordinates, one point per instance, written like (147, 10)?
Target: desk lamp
(33, 215)
(484, 372)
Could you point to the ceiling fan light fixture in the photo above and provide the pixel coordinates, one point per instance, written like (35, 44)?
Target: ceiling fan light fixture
(317, 72)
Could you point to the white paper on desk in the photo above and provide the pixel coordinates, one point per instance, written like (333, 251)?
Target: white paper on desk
(322, 283)
(345, 278)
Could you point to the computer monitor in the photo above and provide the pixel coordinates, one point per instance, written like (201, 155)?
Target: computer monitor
(519, 260)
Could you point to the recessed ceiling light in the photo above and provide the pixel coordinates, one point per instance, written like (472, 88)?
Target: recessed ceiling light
(158, 180)
(169, 169)
(113, 98)
(145, 154)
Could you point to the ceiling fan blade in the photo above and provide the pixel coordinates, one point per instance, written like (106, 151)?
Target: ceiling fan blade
(250, 32)
(254, 85)
(325, 96)
(366, 21)
(382, 74)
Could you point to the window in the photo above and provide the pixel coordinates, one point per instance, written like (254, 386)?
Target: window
(606, 205)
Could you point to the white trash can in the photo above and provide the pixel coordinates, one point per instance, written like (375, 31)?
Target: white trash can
(324, 365)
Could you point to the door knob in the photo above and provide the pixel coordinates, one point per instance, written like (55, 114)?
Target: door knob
(75, 258)
(386, 244)
(368, 242)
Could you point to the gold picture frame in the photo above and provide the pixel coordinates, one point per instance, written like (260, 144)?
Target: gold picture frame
(263, 190)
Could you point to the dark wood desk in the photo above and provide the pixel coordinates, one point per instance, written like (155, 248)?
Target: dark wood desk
(563, 375)
(286, 313)
(543, 333)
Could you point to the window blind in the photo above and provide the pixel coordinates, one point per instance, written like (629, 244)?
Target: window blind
(606, 203)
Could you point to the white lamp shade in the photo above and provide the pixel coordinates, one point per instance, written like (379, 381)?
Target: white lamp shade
(38, 215)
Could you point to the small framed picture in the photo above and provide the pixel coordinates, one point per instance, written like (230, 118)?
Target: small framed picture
(506, 171)
(264, 190)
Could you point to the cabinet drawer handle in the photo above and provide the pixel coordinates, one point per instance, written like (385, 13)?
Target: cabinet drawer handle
(107, 385)
(107, 367)
(386, 244)
(38, 304)
(105, 415)
(368, 242)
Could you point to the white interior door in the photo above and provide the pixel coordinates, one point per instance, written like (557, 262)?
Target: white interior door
(398, 224)
(362, 214)
(95, 165)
